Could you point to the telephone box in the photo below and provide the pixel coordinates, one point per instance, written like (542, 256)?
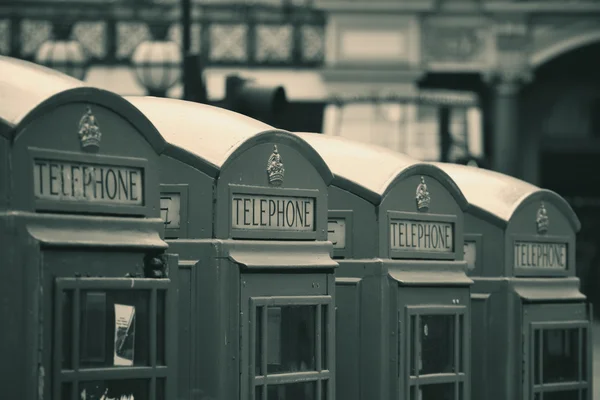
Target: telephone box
(245, 208)
(402, 295)
(87, 294)
(531, 324)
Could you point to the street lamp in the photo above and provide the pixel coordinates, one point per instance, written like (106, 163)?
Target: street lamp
(157, 62)
(63, 53)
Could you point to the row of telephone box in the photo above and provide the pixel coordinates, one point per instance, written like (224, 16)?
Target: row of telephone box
(161, 249)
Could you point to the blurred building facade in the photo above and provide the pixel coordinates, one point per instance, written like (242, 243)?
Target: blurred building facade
(520, 76)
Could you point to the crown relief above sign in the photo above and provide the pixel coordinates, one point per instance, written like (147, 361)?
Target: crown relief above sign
(423, 197)
(542, 220)
(89, 131)
(275, 168)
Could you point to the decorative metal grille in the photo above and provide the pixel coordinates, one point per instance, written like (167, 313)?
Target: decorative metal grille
(92, 36)
(129, 36)
(246, 33)
(274, 43)
(33, 34)
(4, 36)
(228, 42)
(313, 43)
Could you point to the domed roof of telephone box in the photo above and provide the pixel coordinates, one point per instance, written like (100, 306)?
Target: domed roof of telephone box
(370, 171)
(207, 137)
(499, 195)
(24, 85)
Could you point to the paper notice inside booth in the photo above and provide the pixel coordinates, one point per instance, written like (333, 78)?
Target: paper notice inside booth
(124, 335)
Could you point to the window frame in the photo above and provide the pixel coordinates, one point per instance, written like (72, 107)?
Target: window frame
(75, 375)
(457, 378)
(319, 375)
(582, 385)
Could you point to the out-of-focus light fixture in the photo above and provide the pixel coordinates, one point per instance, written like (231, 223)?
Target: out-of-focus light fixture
(63, 53)
(157, 62)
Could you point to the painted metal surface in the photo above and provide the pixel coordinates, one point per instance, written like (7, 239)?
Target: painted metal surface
(245, 208)
(24, 85)
(393, 278)
(522, 245)
(81, 245)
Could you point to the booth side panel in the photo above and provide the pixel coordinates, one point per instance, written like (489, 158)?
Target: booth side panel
(195, 189)
(480, 342)
(215, 329)
(4, 174)
(501, 358)
(184, 334)
(347, 337)
(20, 361)
(374, 336)
(363, 238)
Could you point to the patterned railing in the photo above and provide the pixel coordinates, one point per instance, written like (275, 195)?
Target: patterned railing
(223, 33)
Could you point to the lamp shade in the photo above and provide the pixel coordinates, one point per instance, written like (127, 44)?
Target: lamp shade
(66, 56)
(157, 65)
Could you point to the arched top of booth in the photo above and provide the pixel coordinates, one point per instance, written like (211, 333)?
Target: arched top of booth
(498, 197)
(208, 138)
(371, 171)
(39, 90)
(24, 86)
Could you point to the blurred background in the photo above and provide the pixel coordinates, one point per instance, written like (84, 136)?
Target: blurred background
(511, 85)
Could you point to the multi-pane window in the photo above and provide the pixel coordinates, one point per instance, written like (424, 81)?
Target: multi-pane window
(290, 344)
(559, 363)
(110, 339)
(436, 346)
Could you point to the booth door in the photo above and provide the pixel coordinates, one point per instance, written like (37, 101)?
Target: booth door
(436, 343)
(557, 352)
(287, 341)
(112, 339)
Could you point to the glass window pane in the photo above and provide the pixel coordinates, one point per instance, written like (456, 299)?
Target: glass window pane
(67, 328)
(584, 355)
(114, 328)
(161, 324)
(123, 389)
(461, 335)
(65, 389)
(414, 393)
(324, 388)
(292, 391)
(324, 330)
(258, 342)
(561, 354)
(439, 391)
(161, 390)
(93, 328)
(291, 339)
(536, 357)
(258, 391)
(413, 344)
(566, 395)
(437, 344)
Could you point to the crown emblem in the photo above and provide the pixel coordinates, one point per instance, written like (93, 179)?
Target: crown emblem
(275, 169)
(423, 197)
(89, 131)
(542, 219)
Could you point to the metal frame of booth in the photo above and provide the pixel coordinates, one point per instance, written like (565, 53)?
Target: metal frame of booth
(88, 296)
(242, 273)
(390, 300)
(524, 316)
